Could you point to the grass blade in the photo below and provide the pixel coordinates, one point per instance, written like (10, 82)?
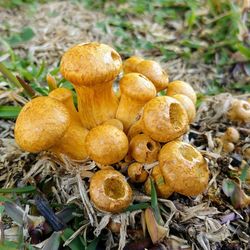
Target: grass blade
(22, 190)
(138, 206)
(74, 244)
(9, 112)
(154, 203)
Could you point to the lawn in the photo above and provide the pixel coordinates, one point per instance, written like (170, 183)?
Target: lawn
(204, 43)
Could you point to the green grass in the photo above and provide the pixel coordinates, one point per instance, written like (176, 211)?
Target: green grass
(213, 35)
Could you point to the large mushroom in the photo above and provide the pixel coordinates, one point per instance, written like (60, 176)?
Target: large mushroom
(41, 124)
(183, 167)
(136, 91)
(163, 119)
(92, 68)
(45, 123)
(106, 144)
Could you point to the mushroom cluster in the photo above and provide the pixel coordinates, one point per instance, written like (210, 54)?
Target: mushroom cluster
(136, 126)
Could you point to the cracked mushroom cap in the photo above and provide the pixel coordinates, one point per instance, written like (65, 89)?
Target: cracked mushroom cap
(106, 144)
(183, 168)
(154, 72)
(109, 191)
(41, 124)
(137, 87)
(89, 64)
(164, 119)
(143, 149)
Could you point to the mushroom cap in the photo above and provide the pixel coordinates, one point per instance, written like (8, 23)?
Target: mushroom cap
(90, 64)
(154, 72)
(181, 87)
(41, 123)
(143, 149)
(129, 65)
(162, 189)
(106, 144)
(240, 111)
(183, 168)
(188, 105)
(232, 135)
(114, 122)
(109, 191)
(137, 87)
(164, 119)
(137, 173)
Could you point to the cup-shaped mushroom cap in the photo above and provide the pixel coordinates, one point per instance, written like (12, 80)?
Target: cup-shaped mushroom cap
(90, 64)
(164, 119)
(240, 111)
(162, 188)
(143, 149)
(129, 65)
(109, 191)
(154, 72)
(137, 87)
(41, 123)
(183, 168)
(106, 144)
(188, 105)
(180, 87)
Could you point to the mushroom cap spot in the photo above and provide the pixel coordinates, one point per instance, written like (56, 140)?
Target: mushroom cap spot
(143, 149)
(137, 87)
(106, 144)
(188, 105)
(181, 87)
(183, 168)
(41, 123)
(154, 72)
(109, 191)
(164, 119)
(90, 64)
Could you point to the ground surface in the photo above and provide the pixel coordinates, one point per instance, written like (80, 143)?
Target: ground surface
(203, 43)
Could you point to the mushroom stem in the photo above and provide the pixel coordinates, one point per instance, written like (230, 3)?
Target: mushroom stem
(96, 104)
(72, 143)
(132, 110)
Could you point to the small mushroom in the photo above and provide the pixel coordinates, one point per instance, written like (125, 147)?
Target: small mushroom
(163, 119)
(232, 135)
(137, 173)
(72, 143)
(240, 111)
(92, 68)
(180, 87)
(41, 124)
(106, 144)
(228, 147)
(129, 65)
(109, 191)
(143, 149)
(136, 91)
(183, 167)
(162, 188)
(188, 106)
(154, 72)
